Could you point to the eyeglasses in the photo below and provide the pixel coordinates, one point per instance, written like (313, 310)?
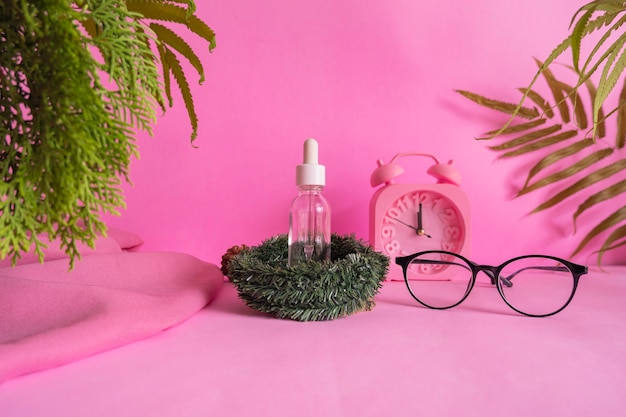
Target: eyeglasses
(533, 285)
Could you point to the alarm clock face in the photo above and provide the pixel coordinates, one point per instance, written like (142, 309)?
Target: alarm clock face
(419, 221)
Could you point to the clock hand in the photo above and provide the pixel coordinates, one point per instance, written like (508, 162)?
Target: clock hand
(406, 224)
(420, 228)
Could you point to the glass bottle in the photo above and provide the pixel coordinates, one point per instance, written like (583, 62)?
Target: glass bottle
(309, 217)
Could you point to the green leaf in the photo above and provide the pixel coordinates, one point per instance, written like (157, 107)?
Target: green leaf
(179, 75)
(167, 82)
(588, 180)
(612, 220)
(577, 35)
(169, 37)
(620, 137)
(609, 78)
(191, 6)
(65, 145)
(601, 21)
(600, 125)
(163, 11)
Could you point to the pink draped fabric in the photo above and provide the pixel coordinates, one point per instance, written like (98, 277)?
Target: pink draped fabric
(50, 316)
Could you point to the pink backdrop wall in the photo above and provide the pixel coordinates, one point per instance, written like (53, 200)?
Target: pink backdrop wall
(367, 79)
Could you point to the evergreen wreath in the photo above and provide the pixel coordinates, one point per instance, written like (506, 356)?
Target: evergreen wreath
(312, 291)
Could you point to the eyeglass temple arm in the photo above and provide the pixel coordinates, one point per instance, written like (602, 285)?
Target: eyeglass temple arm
(506, 280)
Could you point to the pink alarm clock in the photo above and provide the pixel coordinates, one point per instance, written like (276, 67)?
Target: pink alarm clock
(409, 218)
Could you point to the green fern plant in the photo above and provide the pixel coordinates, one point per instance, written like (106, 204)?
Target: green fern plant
(77, 79)
(559, 130)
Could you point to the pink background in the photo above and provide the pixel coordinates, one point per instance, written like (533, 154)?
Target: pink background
(367, 79)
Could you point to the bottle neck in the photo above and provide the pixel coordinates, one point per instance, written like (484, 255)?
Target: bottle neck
(312, 189)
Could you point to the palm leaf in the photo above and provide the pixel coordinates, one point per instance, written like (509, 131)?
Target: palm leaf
(609, 243)
(191, 5)
(501, 106)
(607, 58)
(179, 75)
(169, 37)
(529, 137)
(577, 105)
(557, 92)
(163, 11)
(540, 144)
(596, 176)
(604, 195)
(620, 137)
(609, 78)
(522, 127)
(170, 11)
(577, 36)
(592, 25)
(538, 100)
(556, 52)
(557, 156)
(603, 20)
(612, 220)
(167, 83)
(600, 125)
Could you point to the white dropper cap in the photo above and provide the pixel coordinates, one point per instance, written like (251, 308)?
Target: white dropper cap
(310, 172)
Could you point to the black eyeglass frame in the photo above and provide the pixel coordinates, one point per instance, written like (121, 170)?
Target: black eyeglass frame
(493, 272)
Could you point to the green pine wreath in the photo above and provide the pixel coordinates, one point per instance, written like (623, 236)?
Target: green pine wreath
(312, 291)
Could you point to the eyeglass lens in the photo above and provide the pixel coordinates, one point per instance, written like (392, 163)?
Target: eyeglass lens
(533, 285)
(536, 285)
(439, 280)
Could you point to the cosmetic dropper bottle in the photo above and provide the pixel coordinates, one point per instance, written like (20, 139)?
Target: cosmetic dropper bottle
(309, 217)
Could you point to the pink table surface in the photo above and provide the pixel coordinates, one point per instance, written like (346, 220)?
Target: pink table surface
(480, 359)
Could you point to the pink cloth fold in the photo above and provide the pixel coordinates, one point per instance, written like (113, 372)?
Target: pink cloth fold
(50, 316)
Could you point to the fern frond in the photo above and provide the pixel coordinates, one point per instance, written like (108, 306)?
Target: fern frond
(557, 92)
(577, 105)
(170, 38)
(620, 137)
(577, 35)
(557, 156)
(605, 19)
(600, 43)
(179, 75)
(529, 137)
(191, 5)
(609, 243)
(604, 195)
(538, 100)
(167, 82)
(501, 106)
(522, 127)
(540, 144)
(600, 125)
(157, 10)
(612, 220)
(596, 176)
(556, 52)
(608, 78)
